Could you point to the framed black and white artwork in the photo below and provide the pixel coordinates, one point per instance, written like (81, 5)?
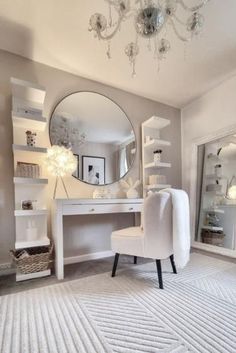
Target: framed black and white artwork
(76, 172)
(93, 170)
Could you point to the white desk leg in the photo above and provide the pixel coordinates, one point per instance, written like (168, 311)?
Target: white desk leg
(58, 240)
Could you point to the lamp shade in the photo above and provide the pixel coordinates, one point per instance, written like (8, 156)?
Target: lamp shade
(60, 161)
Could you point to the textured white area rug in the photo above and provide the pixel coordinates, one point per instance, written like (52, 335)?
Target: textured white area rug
(196, 312)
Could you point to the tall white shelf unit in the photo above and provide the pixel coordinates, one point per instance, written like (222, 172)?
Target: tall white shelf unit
(152, 128)
(27, 114)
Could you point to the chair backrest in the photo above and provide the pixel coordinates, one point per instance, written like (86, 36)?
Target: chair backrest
(157, 225)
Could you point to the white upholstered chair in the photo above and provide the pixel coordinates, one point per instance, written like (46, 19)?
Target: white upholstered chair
(153, 240)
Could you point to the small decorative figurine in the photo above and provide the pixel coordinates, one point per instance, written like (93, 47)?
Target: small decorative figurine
(130, 187)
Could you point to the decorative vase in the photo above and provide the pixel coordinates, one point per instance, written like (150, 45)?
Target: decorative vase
(31, 138)
(157, 156)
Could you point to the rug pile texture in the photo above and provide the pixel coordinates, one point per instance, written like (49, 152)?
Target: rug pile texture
(196, 312)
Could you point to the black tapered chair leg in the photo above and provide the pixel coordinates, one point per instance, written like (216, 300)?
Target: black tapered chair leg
(173, 263)
(116, 259)
(135, 260)
(159, 272)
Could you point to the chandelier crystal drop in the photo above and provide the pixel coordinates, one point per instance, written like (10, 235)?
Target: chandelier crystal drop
(151, 21)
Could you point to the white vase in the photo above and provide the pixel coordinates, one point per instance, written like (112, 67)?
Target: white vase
(132, 193)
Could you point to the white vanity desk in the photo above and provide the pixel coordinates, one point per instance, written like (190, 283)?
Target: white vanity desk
(69, 207)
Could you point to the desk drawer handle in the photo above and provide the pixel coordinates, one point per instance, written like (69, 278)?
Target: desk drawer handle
(92, 210)
(131, 208)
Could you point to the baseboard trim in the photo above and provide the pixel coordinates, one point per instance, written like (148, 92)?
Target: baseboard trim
(6, 269)
(87, 257)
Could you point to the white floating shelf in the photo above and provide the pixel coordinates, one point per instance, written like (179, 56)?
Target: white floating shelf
(25, 277)
(212, 228)
(157, 165)
(214, 158)
(214, 210)
(29, 148)
(216, 193)
(155, 143)
(39, 181)
(23, 213)
(156, 123)
(28, 121)
(157, 186)
(31, 244)
(28, 91)
(215, 177)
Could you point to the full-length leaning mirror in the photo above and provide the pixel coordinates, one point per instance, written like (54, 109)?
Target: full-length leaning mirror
(216, 193)
(98, 132)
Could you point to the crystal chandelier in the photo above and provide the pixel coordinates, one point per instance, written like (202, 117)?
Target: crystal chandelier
(151, 19)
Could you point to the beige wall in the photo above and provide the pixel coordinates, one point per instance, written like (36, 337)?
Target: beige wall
(59, 84)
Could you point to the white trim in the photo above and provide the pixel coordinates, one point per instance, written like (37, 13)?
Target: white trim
(214, 249)
(193, 184)
(87, 257)
(25, 277)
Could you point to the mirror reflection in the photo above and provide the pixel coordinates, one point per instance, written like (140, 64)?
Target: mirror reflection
(98, 132)
(216, 193)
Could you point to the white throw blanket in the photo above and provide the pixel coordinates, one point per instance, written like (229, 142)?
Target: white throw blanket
(181, 226)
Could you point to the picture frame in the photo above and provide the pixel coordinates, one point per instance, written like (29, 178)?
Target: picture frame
(76, 173)
(93, 170)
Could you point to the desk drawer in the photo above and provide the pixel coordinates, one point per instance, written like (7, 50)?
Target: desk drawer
(99, 209)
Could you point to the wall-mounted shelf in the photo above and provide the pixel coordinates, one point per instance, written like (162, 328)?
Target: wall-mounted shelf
(25, 277)
(213, 228)
(28, 91)
(215, 177)
(216, 193)
(157, 186)
(28, 121)
(29, 148)
(30, 244)
(155, 143)
(26, 213)
(214, 158)
(27, 114)
(36, 181)
(157, 165)
(156, 123)
(151, 141)
(214, 210)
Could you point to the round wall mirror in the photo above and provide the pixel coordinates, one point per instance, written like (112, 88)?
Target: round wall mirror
(98, 132)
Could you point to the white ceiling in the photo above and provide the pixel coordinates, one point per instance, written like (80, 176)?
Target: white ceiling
(55, 32)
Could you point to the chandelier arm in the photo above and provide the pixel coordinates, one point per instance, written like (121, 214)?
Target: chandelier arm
(184, 39)
(194, 8)
(179, 21)
(111, 35)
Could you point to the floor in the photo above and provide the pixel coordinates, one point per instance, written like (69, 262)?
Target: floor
(8, 284)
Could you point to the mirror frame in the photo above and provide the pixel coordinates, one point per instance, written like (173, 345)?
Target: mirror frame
(103, 95)
(193, 189)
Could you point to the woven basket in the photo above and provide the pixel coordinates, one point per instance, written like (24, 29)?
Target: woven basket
(213, 238)
(38, 260)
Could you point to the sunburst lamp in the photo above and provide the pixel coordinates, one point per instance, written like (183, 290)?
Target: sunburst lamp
(60, 162)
